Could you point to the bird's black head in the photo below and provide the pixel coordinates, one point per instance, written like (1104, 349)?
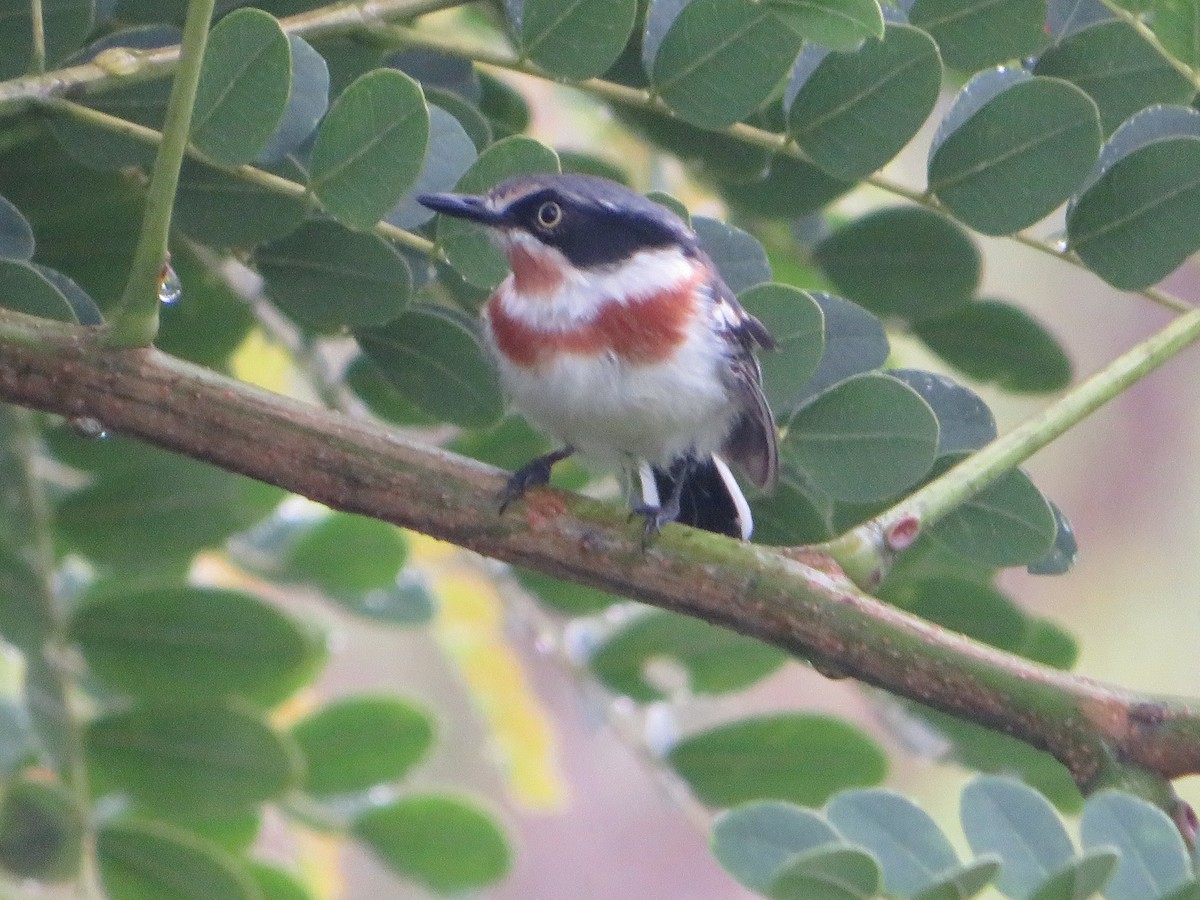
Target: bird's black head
(592, 221)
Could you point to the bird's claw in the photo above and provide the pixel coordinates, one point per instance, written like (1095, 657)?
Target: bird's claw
(533, 474)
(656, 517)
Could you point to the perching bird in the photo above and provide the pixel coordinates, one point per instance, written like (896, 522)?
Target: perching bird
(616, 335)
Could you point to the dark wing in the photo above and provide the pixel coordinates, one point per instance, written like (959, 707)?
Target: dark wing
(753, 443)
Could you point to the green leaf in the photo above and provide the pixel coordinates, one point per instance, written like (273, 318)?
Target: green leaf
(752, 842)
(1190, 891)
(437, 362)
(716, 155)
(16, 234)
(998, 343)
(83, 307)
(907, 843)
(903, 261)
(221, 210)
(451, 153)
(183, 641)
(855, 342)
(1081, 878)
(151, 861)
(467, 246)
(211, 320)
(1153, 859)
(720, 59)
(370, 147)
(1132, 224)
(1061, 557)
(977, 610)
(66, 24)
(737, 254)
(827, 873)
(234, 832)
(1050, 645)
(964, 420)
(357, 743)
(1176, 24)
(505, 107)
(867, 438)
(1118, 68)
(204, 758)
(787, 756)
(1008, 523)
(319, 554)
(836, 24)
(1018, 156)
(244, 87)
(1005, 817)
(26, 290)
(306, 105)
(893, 84)
(791, 515)
(716, 660)
(147, 507)
(577, 39)
(274, 883)
(975, 34)
(964, 882)
(564, 596)
(447, 844)
(798, 326)
(41, 831)
(330, 277)
(789, 188)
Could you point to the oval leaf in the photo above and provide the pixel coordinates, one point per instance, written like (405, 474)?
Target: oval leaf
(16, 234)
(1081, 878)
(837, 24)
(360, 742)
(964, 420)
(26, 290)
(827, 873)
(1018, 824)
(330, 277)
(998, 343)
(41, 831)
(190, 641)
(151, 861)
(1018, 157)
(893, 84)
(319, 555)
(855, 342)
(1118, 68)
(244, 87)
(909, 846)
(1154, 861)
(451, 153)
(716, 660)
(370, 147)
(437, 362)
(1008, 523)
(578, 39)
(903, 261)
(447, 844)
(701, 69)
(964, 882)
(753, 842)
(467, 246)
(1132, 225)
(307, 103)
(974, 34)
(796, 322)
(200, 758)
(789, 756)
(864, 439)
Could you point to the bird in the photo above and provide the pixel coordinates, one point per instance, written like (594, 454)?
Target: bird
(615, 334)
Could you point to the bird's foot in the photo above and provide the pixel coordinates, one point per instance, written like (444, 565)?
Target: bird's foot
(656, 517)
(534, 473)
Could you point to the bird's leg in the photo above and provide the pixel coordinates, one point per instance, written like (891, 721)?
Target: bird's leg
(533, 474)
(666, 511)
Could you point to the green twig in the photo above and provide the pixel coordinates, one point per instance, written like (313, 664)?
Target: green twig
(135, 320)
(249, 174)
(37, 22)
(866, 551)
(120, 66)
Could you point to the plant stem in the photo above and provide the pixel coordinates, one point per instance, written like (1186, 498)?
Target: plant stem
(249, 174)
(792, 598)
(135, 320)
(37, 21)
(864, 551)
(121, 66)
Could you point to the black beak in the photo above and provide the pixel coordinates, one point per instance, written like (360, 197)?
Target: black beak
(463, 206)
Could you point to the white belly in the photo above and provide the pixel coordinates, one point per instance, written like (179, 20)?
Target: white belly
(614, 413)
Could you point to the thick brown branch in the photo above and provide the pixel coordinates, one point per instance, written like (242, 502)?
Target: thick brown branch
(797, 601)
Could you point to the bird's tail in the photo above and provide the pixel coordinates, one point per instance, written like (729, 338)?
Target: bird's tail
(710, 498)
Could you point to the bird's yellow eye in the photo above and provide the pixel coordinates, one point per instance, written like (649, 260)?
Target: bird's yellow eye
(549, 214)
